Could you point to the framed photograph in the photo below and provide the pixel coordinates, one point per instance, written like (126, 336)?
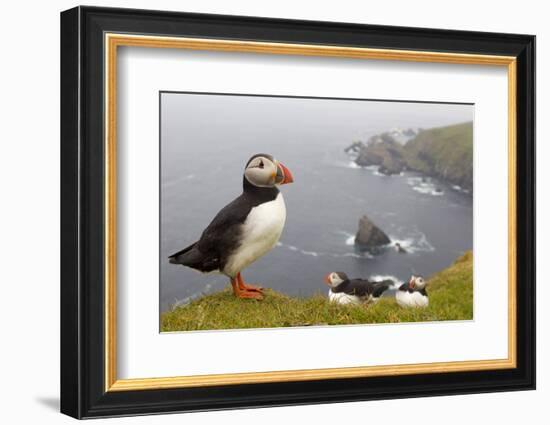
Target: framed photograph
(261, 212)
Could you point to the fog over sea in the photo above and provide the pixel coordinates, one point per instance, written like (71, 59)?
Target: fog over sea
(206, 141)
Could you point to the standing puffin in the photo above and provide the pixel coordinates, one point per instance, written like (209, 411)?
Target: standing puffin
(354, 291)
(245, 229)
(413, 293)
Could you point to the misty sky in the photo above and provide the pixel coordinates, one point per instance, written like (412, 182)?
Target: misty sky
(352, 118)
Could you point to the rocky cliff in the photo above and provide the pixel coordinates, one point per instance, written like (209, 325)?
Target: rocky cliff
(369, 236)
(444, 152)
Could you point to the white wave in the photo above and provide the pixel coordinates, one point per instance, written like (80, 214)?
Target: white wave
(311, 253)
(379, 174)
(417, 242)
(379, 277)
(460, 189)
(352, 255)
(428, 190)
(350, 163)
(424, 244)
(349, 237)
(406, 243)
(362, 255)
(350, 240)
(301, 251)
(425, 186)
(374, 169)
(291, 247)
(208, 289)
(184, 301)
(413, 181)
(180, 302)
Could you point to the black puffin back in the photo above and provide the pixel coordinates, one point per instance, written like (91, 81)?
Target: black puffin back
(358, 287)
(363, 287)
(380, 287)
(194, 258)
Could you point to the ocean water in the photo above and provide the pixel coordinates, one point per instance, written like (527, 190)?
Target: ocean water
(206, 141)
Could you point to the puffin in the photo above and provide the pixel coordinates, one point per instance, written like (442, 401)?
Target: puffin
(344, 290)
(412, 293)
(245, 229)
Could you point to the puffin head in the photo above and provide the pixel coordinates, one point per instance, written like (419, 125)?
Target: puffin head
(262, 170)
(335, 278)
(417, 282)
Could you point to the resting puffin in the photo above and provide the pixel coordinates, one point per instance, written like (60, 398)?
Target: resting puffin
(245, 229)
(413, 293)
(354, 291)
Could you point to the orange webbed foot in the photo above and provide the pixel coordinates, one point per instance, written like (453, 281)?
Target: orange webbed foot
(243, 286)
(250, 295)
(242, 290)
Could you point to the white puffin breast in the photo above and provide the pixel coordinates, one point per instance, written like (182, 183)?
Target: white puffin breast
(408, 299)
(343, 298)
(261, 232)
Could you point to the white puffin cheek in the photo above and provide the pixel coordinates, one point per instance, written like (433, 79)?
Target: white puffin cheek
(336, 280)
(257, 176)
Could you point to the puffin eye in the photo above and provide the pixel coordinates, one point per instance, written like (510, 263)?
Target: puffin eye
(261, 165)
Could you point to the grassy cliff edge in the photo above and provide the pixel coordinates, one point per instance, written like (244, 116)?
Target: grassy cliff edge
(445, 152)
(450, 291)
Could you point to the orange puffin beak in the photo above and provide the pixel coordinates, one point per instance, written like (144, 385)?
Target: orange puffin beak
(327, 279)
(411, 283)
(284, 175)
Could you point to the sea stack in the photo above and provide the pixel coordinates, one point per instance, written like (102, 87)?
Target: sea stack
(369, 236)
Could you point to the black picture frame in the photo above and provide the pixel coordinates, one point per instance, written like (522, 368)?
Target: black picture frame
(83, 392)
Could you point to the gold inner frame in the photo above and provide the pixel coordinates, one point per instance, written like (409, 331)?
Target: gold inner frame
(113, 41)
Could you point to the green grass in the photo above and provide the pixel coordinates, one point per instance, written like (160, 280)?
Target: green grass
(446, 152)
(450, 291)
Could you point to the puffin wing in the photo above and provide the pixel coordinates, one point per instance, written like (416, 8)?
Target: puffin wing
(196, 259)
(378, 288)
(365, 288)
(404, 287)
(217, 241)
(360, 287)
